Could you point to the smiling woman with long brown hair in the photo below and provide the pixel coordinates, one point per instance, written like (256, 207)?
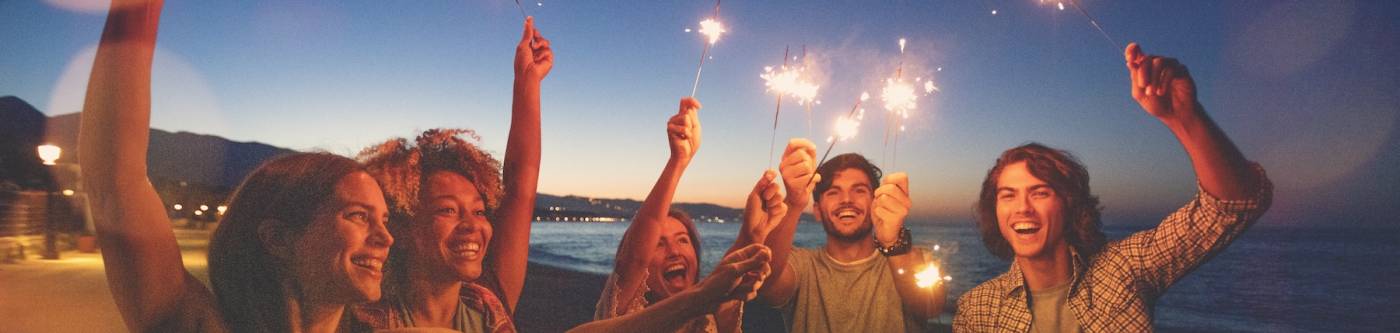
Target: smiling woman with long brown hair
(303, 237)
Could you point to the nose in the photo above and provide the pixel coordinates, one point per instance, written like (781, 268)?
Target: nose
(379, 234)
(1025, 206)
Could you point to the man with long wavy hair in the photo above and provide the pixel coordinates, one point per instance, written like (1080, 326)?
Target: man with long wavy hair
(1036, 210)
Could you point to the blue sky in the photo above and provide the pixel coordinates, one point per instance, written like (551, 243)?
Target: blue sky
(1307, 88)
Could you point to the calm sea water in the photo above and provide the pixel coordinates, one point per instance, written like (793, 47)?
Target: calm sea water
(1272, 279)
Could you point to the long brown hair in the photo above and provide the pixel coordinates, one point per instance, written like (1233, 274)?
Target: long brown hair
(1069, 179)
(247, 279)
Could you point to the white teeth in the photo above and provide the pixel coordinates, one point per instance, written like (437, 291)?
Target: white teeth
(371, 263)
(1025, 226)
(468, 250)
(675, 267)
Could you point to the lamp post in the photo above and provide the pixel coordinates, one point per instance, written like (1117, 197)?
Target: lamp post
(49, 154)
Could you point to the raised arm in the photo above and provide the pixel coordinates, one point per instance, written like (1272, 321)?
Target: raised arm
(891, 206)
(1165, 89)
(521, 170)
(1233, 193)
(639, 242)
(144, 270)
(799, 169)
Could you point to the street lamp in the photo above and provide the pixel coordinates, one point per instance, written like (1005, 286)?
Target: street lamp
(49, 153)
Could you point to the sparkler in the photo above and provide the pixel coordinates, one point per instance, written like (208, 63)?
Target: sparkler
(1092, 21)
(846, 128)
(712, 30)
(780, 82)
(522, 9)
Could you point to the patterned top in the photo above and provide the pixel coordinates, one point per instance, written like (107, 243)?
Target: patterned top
(1116, 290)
(389, 312)
(609, 306)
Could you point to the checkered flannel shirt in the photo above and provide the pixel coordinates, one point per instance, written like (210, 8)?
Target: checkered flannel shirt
(1115, 290)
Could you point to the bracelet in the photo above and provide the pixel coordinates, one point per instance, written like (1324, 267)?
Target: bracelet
(900, 246)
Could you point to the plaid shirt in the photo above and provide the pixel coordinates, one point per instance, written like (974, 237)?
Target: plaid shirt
(1115, 290)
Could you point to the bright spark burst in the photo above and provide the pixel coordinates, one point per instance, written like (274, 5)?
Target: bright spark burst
(901, 45)
(928, 277)
(787, 80)
(848, 127)
(899, 97)
(929, 88)
(712, 30)
(1061, 5)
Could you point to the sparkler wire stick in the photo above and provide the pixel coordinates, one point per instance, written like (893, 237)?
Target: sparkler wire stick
(522, 9)
(1095, 23)
(776, 110)
(703, 52)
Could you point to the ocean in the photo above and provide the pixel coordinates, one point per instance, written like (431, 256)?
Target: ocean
(1272, 279)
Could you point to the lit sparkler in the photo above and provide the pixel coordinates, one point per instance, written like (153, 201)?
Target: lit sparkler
(1092, 21)
(712, 30)
(846, 128)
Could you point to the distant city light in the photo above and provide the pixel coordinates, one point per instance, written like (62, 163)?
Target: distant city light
(68, 193)
(198, 212)
(203, 207)
(49, 153)
(222, 209)
(178, 206)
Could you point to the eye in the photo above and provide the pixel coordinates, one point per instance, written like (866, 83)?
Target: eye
(683, 239)
(479, 212)
(1005, 196)
(446, 211)
(357, 216)
(1042, 194)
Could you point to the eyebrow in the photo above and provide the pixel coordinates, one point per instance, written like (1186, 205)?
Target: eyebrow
(1031, 188)
(360, 204)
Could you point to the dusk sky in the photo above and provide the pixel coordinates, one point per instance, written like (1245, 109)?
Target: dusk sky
(1310, 89)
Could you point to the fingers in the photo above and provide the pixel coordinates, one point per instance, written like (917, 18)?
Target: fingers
(688, 103)
(899, 180)
(529, 31)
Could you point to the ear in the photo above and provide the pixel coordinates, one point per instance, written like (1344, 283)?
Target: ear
(277, 242)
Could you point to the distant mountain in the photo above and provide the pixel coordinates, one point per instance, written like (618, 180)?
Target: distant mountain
(177, 157)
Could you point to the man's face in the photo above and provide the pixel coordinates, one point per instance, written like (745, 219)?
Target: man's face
(844, 207)
(1029, 213)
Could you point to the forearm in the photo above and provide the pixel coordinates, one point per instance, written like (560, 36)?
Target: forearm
(116, 121)
(520, 174)
(779, 286)
(664, 316)
(1220, 166)
(729, 318)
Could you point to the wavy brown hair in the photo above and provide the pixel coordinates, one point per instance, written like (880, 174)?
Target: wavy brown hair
(247, 279)
(401, 168)
(1067, 176)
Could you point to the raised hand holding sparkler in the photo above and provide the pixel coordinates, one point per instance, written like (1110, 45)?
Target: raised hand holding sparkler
(799, 171)
(533, 57)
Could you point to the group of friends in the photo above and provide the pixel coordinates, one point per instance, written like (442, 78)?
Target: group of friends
(433, 233)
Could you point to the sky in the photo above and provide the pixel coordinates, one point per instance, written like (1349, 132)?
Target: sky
(1309, 89)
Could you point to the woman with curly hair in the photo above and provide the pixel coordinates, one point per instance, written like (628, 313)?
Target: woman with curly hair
(464, 217)
(303, 237)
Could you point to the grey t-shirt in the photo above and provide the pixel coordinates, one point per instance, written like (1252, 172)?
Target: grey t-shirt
(832, 296)
(1049, 310)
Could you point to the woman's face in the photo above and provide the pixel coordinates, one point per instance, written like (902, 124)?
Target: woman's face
(672, 267)
(340, 256)
(451, 233)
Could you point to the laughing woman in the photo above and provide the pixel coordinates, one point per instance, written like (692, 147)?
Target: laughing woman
(465, 231)
(657, 258)
(303, 237)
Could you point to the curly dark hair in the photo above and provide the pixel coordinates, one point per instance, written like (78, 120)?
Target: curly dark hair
(1070, 180)
(401, 168)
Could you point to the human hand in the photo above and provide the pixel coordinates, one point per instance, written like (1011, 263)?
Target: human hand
(739, 275)
(1161, 85)
(764, 208)
(683, 131)
(799, 169)
(891, 206)
(533, 57)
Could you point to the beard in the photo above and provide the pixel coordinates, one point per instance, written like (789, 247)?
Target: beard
(861, 233)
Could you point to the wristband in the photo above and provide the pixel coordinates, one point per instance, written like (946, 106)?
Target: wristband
(900, 246)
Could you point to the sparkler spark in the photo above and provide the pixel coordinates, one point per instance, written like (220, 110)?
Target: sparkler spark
(899, 97)
(928, 277)
(712, 30)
